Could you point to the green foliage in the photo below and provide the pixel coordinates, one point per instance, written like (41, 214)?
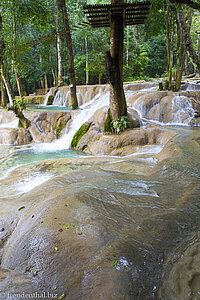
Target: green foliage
(120, 124)
(27, 21)
(79, 134)
(19, 104)
(157, 63)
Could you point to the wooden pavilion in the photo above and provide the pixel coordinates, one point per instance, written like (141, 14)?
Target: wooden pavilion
(132, 13)
(117, 15)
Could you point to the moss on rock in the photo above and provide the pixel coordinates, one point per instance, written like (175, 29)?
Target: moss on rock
(60, 126)
(107, 127)
(79, 134)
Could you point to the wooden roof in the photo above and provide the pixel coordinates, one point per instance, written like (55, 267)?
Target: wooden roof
(133, 13)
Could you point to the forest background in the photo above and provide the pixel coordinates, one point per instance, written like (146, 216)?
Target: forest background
(153, 50)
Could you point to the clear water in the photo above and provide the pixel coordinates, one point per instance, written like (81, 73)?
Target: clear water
(34, 107)
(22, 155)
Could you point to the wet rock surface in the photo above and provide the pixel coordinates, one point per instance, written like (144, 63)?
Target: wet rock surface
(168, 107)
(104, 227)
(15, 136)
(48, 126)
(182, 280)
(96, 143)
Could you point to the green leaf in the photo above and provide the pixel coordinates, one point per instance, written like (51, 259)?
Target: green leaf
(56, 248)
(80, 233)
(67, 227)
(115, 263)
(61, 297)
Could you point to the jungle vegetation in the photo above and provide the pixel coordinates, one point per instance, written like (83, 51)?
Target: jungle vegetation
(34, 52)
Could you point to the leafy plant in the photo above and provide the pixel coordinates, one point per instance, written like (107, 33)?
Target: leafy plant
(19, 104)
(120, 124)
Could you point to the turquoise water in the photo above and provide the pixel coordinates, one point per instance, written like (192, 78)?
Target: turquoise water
(48, 107)
(13, 156)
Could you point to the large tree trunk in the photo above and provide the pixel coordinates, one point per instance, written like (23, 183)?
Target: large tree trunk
(181, 50)
(72, 78)
(180, 58)
(170, 41)
(60, 80)
(188, 41)
(114, 61)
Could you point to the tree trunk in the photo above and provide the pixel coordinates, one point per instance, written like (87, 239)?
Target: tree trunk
(188, 41)
(72, 78)
(87, 59)
(19, 87)
(187, 69)
(99, 77)
(170, 38)
(180, 58)
(114, 62)
(3, 67)
(59, 64)
(135, 34)
(14, 59)
(6, 80)
(127, 47)
(3, 94)
(45, 82)
(54, 77)
(23, 121)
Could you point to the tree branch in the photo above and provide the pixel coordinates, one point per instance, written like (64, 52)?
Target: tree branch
(190, 3)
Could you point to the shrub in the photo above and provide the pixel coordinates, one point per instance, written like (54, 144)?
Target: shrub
(19, 104)
(120, 124)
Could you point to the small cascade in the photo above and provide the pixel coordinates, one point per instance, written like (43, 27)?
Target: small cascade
(182, 110)
(46, 98)
(60, 99)
(165, 111)
(83, 115)
(12, 124)
(193, 86)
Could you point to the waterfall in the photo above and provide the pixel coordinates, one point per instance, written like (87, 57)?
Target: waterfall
(82, 115)
(46, 98)
(60, 99)
(12, 124)
(165, 111)
(182, 109)
(193, 86)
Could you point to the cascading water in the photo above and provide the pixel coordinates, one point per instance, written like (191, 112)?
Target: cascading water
(182, 109)
(46, 98)
(12, 124)
(83, 115)
(165, 111)
(60, 99)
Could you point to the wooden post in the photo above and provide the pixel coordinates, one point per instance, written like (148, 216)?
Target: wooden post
(114, 62)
